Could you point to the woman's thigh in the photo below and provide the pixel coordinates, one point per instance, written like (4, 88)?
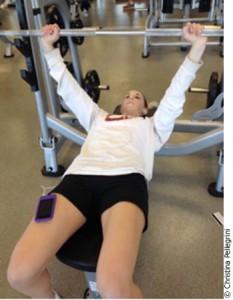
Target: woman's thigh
(122, 225)
(40, 241)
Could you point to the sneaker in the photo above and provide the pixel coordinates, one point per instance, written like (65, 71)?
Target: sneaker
(128, 6)
(56, 295)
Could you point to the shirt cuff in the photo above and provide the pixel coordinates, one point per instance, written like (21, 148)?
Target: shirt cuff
(53, 57)
(191, 65)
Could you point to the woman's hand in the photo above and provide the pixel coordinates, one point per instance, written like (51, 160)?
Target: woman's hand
(192, 33)
(51, 33)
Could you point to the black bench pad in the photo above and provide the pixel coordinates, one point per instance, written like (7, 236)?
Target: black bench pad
(82, 250)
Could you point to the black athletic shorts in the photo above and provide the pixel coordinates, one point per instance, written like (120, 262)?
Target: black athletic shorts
(93, 194)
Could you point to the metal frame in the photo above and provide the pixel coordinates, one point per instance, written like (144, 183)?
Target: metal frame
(46, 97)
(164, 18)
(219, 186)
(156, 18)
(210, 31)
(9, 44)
(91, 280)
(214, 112)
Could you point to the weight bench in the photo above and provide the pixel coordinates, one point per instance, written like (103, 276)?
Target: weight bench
(81, 252)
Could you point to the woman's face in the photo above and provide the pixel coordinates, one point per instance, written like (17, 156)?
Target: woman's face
(133, 104)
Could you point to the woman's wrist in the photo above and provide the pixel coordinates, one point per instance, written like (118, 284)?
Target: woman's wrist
(197, 50)
(47, 48)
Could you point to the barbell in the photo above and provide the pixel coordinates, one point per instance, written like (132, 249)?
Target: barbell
(210, 31)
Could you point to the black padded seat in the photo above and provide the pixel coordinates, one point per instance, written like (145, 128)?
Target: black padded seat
(82, 250)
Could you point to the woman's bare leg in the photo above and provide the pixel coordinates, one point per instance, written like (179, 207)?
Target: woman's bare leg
(122, 229)
(39, 243)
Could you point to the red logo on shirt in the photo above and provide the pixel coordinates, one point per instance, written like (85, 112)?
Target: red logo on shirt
(116, 118)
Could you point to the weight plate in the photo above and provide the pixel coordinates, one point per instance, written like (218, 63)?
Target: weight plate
(91, 84)
(168, 6)
(53, 16)
(204, 5)
(77, 24)
(213, 89)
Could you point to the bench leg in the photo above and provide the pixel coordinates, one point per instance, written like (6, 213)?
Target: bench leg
(91, 280)
(216, 188)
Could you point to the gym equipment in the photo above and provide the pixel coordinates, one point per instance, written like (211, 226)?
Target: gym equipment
(73, 6)
(9, 3)
(212, 7)
(21, 14)
(12, 3)
(8, 52)
(92, 85)
(168, 7)
(215, 88)
(53, 16)
(162, 10)
(216, 188)
(210, 31)
(214, 111)
(204, 5)
(214, 103)
(32, 14)
(212, 91)
(78, 24)
(81, 252)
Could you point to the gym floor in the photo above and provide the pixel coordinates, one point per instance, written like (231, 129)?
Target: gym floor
(181, 254)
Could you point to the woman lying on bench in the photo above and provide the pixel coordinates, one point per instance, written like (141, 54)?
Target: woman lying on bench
(107, 179)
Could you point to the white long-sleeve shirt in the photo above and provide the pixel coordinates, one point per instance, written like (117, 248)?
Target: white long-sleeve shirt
(121, 146)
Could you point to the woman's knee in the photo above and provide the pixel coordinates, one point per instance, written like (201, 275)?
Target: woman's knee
(20, 275)
(113, 286)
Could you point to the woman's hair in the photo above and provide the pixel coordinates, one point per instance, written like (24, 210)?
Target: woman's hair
(145, 100)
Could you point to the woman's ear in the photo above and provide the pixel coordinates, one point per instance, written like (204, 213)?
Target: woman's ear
(144, 112)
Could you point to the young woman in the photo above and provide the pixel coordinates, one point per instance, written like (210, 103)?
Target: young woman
(107, 179)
